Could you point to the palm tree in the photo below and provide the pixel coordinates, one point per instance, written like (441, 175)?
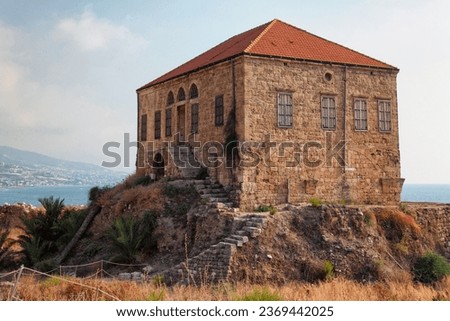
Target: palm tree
(5, 245)
(40, 240)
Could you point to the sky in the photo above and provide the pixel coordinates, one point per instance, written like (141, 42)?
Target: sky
(69, 70)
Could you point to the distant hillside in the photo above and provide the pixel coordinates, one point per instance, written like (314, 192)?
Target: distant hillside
(24, 168)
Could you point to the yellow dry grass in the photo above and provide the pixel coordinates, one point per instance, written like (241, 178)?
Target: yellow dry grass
(31, 289)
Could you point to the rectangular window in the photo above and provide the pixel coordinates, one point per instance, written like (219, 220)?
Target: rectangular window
(360, 109)
(157, 124)
(328, 108)
(168, 121)
(285, 110)
(194, 118)
(218, 111)
(143, 128)
(384, 115)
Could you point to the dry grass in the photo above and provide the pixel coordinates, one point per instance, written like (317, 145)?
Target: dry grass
(398, 219)
(31, 289)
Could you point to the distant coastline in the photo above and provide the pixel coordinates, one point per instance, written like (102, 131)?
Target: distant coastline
(78, 194)
(72, 194)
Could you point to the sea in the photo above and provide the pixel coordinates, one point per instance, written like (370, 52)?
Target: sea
(72, 195)
(78, 195)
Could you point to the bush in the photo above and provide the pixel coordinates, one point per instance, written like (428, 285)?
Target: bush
(315, 202)
(156, 295)
(430, 268)
(142, 180)
(263, 294)
(130, 235)
(328, 270)
(173, 191)
(266, 208)
(95, 192)
(5, 245)
(48, 232)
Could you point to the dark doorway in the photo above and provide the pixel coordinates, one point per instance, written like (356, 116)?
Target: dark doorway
(158, 166)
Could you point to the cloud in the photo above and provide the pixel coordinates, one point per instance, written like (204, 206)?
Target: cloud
(40, 113)
(90, 33)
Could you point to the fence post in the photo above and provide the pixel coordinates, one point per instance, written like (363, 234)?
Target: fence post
(19, 274)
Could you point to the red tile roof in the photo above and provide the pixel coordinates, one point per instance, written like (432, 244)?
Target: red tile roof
(275, 39)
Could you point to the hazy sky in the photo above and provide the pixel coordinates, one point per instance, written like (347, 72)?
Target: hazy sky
(69, 69)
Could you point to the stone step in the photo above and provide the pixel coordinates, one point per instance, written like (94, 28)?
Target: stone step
(238, 243)
(206, 185)
(219, 199)
(217, 195)
(201, 182)
(223, 204)
(242, 233)
(242, 238)
(190, 173)
(253, 224)
(258, 220)
(211, 191)
(254, 231)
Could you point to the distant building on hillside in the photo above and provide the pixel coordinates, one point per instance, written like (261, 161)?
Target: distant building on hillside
(276, 115)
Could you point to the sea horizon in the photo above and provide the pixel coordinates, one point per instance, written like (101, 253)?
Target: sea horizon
(78, 194)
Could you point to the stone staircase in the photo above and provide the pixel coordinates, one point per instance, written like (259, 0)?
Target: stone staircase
(214, 264)
(185, 160)
(213, 193)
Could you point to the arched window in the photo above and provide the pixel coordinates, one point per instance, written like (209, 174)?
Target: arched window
(181, 95)
(193, 93)
(170, 98)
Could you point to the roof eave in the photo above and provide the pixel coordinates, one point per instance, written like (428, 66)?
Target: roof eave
(156, 82)
(388, 67)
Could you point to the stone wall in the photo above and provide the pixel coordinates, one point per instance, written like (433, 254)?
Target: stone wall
(283, 165)
(434, 219)
(214, 264)
(210, 139)
(306, 161)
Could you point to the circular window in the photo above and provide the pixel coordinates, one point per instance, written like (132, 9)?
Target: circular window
(328, 76)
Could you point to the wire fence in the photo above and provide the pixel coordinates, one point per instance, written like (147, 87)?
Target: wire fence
(10, 281)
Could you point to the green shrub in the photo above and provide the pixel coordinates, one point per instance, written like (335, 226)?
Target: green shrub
(130, 235)
(173, 191)
(315, 202)
(142, 180)
(430, 268)
(328, 270)
(5, 245)
(266, 208)
(95, 192)
(158, 280)
(43, 235)
(263, 294)
(156, 295)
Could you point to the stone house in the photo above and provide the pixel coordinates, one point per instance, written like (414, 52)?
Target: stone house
(276, 115)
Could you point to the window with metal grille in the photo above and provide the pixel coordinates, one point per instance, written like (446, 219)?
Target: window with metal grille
(384, 115)
(194, 118)
(168, 121)
(328, 109)
(218, 119)
(157, 124)
(285, 111)
(170, 98)
(360, 112)
(193, 93)
(181, 95)
(144, 127)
